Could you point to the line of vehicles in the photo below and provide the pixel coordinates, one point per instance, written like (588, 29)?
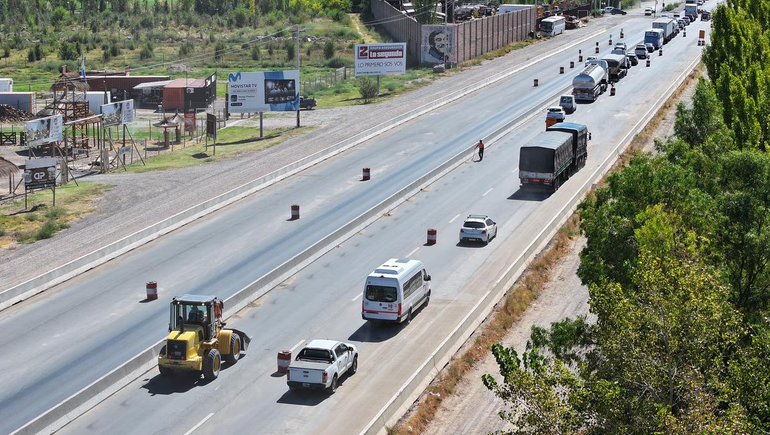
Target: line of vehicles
(198, 340)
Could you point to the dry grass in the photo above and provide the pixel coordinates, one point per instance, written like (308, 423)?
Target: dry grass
(507, 311)
(521, 295)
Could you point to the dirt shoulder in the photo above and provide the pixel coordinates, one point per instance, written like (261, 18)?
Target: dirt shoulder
(473, 409)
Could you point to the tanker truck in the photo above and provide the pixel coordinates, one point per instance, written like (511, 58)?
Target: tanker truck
(590, 83)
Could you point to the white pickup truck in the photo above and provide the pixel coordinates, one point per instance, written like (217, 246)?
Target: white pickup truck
(321, 364)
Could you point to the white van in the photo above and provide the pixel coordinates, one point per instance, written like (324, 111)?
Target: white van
(553, 26)
(395, 290)
(505, 8)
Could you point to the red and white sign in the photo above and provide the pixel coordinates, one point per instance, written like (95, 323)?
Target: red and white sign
(380, 59)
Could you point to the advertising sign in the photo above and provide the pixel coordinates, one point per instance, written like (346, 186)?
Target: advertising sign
(44, 130)
(40, 173)
(436, 45)
(380, 59)
(119, 113)
(268, 91)
(211, 126)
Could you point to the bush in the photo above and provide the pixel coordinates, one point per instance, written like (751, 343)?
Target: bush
(30, 55)
(32, 217)
(255, 52)
(59, 16)
(367, 87)
(241, 16)
(38, 52)
(6, 52)
(329, 50)
(185, 49)
(290, 50)
(335, 62)
(2, 232)
(47, 230)
(114, 50)
(219, 51)
(55, 213)
(147, 52)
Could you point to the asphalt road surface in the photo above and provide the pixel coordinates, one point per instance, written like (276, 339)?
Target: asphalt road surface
(231, 248)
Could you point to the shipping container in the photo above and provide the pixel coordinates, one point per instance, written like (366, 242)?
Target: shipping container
(20, 100)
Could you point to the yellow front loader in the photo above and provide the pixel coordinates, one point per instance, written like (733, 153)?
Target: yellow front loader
(197, 340)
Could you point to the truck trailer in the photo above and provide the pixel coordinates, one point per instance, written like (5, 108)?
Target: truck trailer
(6, 85)
(616, 64)
(579, 134)
(667, 25)
(590, 83)
(691, 10)
(545, 161)
(654, 37)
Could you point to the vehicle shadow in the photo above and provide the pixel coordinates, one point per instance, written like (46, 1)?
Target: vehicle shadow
(303, 398)
(470, 244)
(179, 383)
(376, 332)
(524, 195)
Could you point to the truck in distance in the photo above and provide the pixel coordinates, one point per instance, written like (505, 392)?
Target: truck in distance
(579, 134)
(667, 25)
(590, 83)
(321, 364)
(691, 10)
(654, 37)
(617, 66)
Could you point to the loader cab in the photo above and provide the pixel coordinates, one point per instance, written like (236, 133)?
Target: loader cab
(189, 312)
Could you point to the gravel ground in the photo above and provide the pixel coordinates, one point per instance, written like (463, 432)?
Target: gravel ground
(139, 200)
(473, 409)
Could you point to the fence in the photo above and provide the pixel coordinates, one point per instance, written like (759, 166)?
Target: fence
(472, 38)
(326, 80)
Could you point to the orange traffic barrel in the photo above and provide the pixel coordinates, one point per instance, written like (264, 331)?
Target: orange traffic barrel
(432, 236)
(561, 70)
(294, 212)
(367, 174)
(535, 82)
(152, 290)
(284, 359)
(612, 91)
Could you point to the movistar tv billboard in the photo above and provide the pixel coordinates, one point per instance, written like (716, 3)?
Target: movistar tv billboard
(268, 91)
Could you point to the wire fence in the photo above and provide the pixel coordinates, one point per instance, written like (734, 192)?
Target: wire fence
(326, 80)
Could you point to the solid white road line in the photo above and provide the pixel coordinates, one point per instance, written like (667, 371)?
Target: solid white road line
(200, 423)
(415, 249)
(453, 219)
(487, 192)
(356, 298)
(296, 346)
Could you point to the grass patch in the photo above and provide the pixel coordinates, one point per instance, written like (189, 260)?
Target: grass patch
(231, 142)
(42, 220)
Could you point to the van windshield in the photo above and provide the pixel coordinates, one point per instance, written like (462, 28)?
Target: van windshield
(378, 293)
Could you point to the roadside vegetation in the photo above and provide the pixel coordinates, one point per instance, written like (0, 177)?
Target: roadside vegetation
(676, 263)
(42, 220)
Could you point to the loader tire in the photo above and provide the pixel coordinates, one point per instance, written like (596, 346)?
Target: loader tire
(164, 371)
(235, 349)
(212, 361)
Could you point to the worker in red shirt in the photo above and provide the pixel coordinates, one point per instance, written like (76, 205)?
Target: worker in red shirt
(480, 147)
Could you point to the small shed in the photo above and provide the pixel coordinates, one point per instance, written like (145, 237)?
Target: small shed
(150, 94)
(190, 94)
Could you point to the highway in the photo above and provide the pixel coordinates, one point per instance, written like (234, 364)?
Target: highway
(231, 248)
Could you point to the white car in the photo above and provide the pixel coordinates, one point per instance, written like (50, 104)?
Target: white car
(321, 364)
(478, 228)
(641, 51)
(621, 45)
(648, 11)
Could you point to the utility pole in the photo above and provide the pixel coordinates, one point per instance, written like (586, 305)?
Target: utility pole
(446, 31)
(296, 28)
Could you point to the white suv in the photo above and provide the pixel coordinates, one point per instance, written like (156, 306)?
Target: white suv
(478, 228)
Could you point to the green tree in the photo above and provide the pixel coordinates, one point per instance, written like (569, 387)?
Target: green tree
(367, 87)
(67, 51)
(696, 125)
(147, 51)
(255, 52)
(59, 16)
(219, 51)
(290, 50)
(425, 11)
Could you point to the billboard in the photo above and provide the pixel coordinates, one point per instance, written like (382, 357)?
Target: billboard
(40, 173)
(436, 45)
(380, 59)
(44, 130)
(119, 113)
(189, 121)
(211, 126)
(269, 91)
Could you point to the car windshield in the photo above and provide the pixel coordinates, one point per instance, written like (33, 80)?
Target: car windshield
(314, 355)
(566, 100)
(377, 293)
(472, 224)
